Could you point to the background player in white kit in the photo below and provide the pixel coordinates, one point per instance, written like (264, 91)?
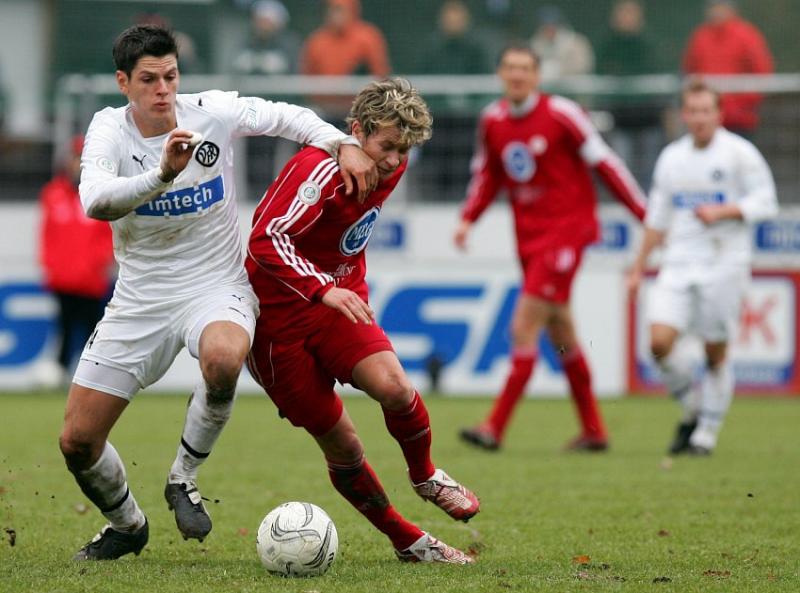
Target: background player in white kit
(161, 169)
(709, 187)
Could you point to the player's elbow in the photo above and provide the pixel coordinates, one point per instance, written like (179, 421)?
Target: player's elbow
(99, 211)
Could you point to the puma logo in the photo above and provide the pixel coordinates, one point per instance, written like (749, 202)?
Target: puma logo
(139, 160)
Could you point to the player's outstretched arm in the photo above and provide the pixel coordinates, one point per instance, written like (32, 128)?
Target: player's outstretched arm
(255, 116)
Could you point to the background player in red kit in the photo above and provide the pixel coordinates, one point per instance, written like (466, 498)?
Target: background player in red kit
(541, 150)
(306, 263)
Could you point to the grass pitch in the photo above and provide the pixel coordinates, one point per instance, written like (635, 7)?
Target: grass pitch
(549, 522)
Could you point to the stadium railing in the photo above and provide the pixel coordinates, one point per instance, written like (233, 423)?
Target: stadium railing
(637, 114)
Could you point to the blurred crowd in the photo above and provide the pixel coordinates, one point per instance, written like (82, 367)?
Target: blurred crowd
(465, 40)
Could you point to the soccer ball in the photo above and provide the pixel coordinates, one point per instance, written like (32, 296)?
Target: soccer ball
(297, 539)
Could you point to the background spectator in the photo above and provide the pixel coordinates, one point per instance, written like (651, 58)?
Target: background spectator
(728, 44)
(561, 50)
(273, 49)
(453, 49)
(76, 255)
(627, 50)
(637, 135)
(345, 44)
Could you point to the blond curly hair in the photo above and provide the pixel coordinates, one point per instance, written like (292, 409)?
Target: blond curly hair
(392, 102)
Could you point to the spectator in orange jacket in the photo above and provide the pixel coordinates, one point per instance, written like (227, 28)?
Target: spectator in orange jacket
(345, 44)
(728, 44)
(76, 255)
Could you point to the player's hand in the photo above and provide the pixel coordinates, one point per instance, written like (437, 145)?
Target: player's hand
(461, 234)
(634, 281)
(176, 154)
(349, 304)
(357, 169)
(708, 214)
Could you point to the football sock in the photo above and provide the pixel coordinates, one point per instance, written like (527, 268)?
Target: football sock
(676, 372)
(106, 486)
(412, 430)
(580, 382)
(360, 486)
(204, 423)
(522, 362)
(717, 394)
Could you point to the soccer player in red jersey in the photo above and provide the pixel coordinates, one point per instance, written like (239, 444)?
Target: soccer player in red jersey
(542, 149)
(307, 264)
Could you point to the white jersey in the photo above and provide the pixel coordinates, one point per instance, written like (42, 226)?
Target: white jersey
(730, 170)
(185, 239)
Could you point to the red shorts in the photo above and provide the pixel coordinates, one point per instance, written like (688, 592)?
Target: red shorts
(548, 273)
(299, 375)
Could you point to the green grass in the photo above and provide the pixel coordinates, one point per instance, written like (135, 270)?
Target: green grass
(726, 523)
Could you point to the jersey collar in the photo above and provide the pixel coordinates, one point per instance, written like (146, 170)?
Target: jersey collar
(525, 107)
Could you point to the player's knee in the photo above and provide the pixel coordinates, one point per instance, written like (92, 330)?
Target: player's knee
(714, 360)
(345, 449)
(660, 349)
(79, 450)
(221, 368)
(394, 391)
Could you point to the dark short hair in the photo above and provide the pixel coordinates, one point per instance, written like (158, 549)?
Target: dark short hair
(142, 40)
(695, 86)
(518, 46)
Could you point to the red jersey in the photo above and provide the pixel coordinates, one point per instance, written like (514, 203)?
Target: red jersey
(542, 154)
(76, 252)
(732, 47)
(307, 237)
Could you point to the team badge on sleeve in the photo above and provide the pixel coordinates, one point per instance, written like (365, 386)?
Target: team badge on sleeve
(106, 164)
(309, 193)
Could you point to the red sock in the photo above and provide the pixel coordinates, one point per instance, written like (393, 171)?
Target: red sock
(412, 429)
(580, 383)
(522, 362)
(360, 486)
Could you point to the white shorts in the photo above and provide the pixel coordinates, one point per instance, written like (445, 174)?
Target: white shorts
(705, 301)
(129, 342)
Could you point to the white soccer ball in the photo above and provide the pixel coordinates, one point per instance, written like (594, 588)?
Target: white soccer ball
(297, 539)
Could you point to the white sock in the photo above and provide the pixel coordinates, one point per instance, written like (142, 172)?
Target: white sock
(203, 425)
(676, 372)
(106, 486)
(717, 395)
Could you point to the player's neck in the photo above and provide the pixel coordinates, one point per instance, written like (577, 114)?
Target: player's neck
(702, 143)
(525, 106)
(149, 128)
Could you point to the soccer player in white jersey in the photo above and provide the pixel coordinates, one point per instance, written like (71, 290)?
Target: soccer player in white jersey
(161, 170)
(709, 187)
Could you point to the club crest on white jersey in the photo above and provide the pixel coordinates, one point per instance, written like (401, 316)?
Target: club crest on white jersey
(356, 237)
(518, 162)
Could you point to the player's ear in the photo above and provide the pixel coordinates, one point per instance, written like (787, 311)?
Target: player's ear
(122, 82)
(357, 130)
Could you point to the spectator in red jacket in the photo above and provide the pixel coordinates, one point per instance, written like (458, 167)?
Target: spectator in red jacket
(76, 255)
(728, 44)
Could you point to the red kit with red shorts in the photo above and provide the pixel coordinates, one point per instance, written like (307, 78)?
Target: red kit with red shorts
(307, 237)
(542, 154)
